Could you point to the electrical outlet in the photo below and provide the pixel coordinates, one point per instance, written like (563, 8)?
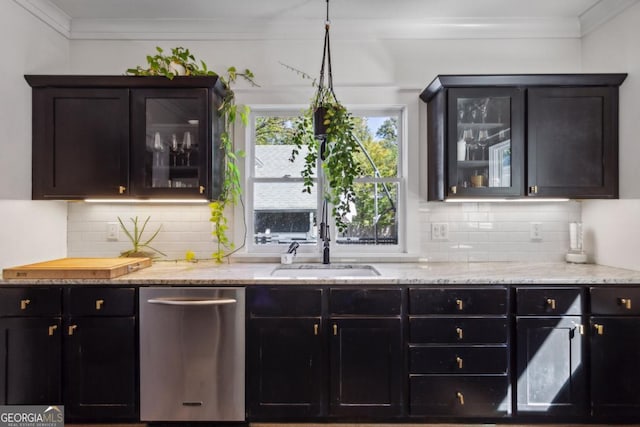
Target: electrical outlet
(439, 231)
(535, 231)
(112, 231)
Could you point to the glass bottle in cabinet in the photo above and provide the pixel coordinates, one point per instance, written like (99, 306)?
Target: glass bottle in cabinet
(170, 145)
(485, 142)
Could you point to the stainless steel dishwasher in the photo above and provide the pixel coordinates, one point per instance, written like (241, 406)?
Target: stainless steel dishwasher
(192, 354)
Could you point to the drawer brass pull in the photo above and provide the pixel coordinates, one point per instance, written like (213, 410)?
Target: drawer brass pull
(52, 328)
(459, 362)
(454, 189)
(599, 329)
(315, 329)
(459, 332)
(201, 189)
(459, 304)
(460, 397)
(533, 189)
(99, 303)
(122, 189)
(551, 303)
(335, 329)
(24, 303)
(626, 302)
(72, 329)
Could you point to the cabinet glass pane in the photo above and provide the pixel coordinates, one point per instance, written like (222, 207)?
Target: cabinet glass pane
(484, 142)
(172, 138)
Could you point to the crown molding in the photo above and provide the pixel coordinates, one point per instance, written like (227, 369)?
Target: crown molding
(602, 12)
(308, 29)
(302, 29)
(48, 13)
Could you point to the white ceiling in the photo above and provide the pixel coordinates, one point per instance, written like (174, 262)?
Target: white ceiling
(230, 19)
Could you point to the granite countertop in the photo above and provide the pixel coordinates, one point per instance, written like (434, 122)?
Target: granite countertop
(208, 273)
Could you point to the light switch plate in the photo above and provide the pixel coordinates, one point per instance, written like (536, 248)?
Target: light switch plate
(439, 231)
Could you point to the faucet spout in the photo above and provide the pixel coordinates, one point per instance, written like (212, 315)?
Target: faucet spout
(324, 233)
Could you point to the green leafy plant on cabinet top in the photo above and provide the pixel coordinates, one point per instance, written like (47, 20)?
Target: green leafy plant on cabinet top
(181, 62)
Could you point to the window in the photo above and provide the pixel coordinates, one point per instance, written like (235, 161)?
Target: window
(280, 213)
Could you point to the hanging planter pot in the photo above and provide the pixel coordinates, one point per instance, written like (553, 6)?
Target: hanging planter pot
(319, 127)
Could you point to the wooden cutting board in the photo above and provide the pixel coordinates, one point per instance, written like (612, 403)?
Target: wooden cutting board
(77, 268)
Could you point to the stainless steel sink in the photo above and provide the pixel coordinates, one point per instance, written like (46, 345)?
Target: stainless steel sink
(325, 270)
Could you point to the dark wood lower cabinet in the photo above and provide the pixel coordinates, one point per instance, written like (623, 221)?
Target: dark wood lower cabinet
(366, 367)
(100, 369)
(551, 375)
(615, 377)
(284, 370)
(30, 355)
(459, 396)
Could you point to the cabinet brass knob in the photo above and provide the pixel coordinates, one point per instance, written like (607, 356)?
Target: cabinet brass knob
(459, 362)
(551, 303)
(202, 189)
(99, 303)
(122, 189)
(626, 302)
(24, 303)
(454, 189)
(315, 329)
(599, 329)
(335, 329)
(52, 328)
(459, 304)
(533, 189)
(460, 397)
(72, 329)
(459, 333)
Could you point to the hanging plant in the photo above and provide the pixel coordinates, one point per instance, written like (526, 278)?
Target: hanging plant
(327, 131)
(182, 62)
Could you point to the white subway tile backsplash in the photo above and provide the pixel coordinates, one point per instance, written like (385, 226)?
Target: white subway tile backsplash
(499, 231)
(477, 231)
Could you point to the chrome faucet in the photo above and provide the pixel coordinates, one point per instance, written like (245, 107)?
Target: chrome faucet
(293, 247)
(324, 233)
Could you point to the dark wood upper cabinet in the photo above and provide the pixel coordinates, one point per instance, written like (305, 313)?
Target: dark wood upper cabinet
(80, 142)
(123, 136)
(512, 136)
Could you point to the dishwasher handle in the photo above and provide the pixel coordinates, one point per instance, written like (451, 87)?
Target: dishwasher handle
(191, 301)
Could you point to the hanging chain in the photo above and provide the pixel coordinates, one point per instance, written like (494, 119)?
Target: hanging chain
(326, 56)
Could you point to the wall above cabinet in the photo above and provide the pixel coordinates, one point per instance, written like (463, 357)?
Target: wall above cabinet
(126, 137)
(522, 136)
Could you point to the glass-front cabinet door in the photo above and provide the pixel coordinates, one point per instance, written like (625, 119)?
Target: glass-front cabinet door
(485, 138)
(170, 144)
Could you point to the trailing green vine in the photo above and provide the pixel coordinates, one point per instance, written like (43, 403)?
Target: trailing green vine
(182, 62)
(338, 162)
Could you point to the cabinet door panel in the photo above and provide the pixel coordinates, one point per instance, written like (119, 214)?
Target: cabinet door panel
(458, 301)
(458, 360)
(30, 353)
(100, 368)
(551, 371)
(485, 142)
(80, 142)
(366, 367)
(30, 302)
(572, 142)
(457, 330)
(459, 396)
(615, 352)
(284, 367)
(170, 142)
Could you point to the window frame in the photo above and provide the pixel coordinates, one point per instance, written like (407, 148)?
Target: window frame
(340, 250)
